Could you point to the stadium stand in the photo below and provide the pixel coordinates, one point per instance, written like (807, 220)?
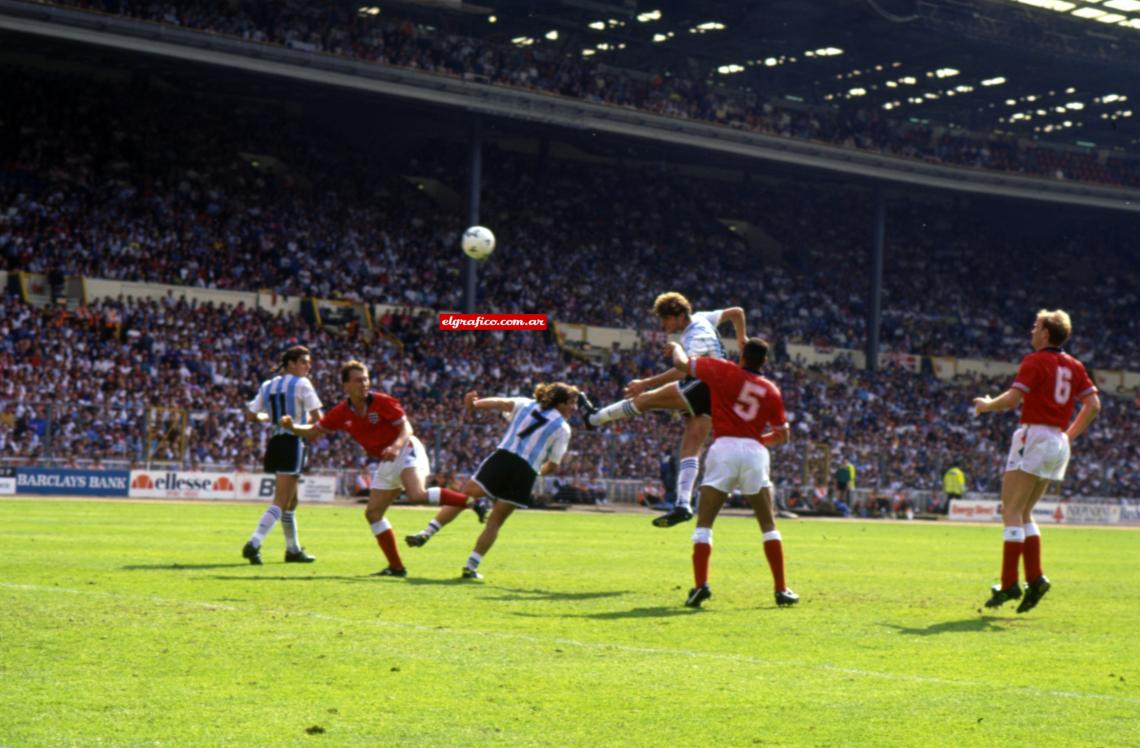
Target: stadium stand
(92, 192)
(392, 39)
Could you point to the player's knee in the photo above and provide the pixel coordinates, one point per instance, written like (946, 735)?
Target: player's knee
(416, 495)
(373, 514)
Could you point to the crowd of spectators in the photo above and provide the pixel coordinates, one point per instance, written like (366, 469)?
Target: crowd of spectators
(102, 181)
(79, 385)
(393, 40)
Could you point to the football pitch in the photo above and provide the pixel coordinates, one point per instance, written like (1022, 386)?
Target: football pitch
(128, 623)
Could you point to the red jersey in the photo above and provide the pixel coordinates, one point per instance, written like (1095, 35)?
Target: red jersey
(376, 429)
(743, 402)
(1052, 381)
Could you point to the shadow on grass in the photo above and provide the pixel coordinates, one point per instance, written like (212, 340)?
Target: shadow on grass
(314, 578)
(182, 567)
(966, 625)
(619, 615)
(536, 595)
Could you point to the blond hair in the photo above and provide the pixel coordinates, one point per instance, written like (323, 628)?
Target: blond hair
(671, 304)
(555, 393)
(1057, 323)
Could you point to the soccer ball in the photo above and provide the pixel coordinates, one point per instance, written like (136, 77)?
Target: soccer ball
(478, 242)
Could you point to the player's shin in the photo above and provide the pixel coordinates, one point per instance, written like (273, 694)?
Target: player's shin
(774, 552)
(702, 550)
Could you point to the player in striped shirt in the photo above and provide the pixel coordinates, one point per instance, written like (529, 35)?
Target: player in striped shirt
(671, 390)
(535, 442)
(1048, 385)
(289, 394)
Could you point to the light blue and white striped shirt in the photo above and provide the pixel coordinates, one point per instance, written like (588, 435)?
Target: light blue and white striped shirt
(700, 338)
(282, 395)
(538, 436)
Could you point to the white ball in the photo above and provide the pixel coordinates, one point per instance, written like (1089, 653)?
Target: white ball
(478, 242)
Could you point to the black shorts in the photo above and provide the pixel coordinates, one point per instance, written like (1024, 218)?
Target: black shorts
(696, 395)
(285, 454)
(507, 477)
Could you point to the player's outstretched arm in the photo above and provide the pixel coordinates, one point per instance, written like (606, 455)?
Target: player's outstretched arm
(305, 431)
(735, 315)
(638, 386)
(1090, 409)
(1007, 400)
(473, 403)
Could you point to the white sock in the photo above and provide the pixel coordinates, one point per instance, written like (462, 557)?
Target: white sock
(289, 527)
(473, 560)
(1031, 529)
(433, 496)
(268, 520)
(432, 528)
(772, 535)
(1014, 534)
(686, 479)
(382, 526)
(615, 412)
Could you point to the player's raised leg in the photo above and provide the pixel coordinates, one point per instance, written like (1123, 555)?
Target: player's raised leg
(441, 519)
(763, 507)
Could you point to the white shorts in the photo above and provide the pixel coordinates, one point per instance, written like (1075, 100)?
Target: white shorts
(735, 462)
(1039, 450)
(387, 474)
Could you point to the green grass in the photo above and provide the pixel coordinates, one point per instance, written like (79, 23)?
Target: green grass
(139, 624)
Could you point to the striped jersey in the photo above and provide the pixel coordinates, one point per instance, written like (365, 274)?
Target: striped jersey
(285, 394)
(700, 338)
(536, 435)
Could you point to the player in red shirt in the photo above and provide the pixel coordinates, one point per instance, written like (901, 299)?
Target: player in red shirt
(744, 406)
(377, 422)
(1049, 382)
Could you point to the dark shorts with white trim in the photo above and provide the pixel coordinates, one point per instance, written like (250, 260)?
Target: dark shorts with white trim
(696, 395)
(285, 454)
(507, 477)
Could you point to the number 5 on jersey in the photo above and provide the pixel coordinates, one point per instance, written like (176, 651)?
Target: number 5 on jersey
(748, 401)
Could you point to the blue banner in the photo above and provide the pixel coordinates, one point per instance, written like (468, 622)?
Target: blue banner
(67, 482)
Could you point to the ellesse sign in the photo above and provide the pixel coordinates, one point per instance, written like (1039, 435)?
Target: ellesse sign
(154, 484)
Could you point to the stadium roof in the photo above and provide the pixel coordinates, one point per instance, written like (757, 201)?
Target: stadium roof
(983, 65)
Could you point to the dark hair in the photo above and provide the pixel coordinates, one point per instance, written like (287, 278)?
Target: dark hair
(554, 394)
(754, 353)
(294, 353)
(350, 366)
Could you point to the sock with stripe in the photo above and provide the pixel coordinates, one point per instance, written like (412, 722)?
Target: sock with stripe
(473, 560)
(1011, 554)
(774, 552)
(289, 527)
(615, 412)
(386, 539)
(432, 528)
(702, 550)
(1032, 552)
(268, 520)
(686, 479)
